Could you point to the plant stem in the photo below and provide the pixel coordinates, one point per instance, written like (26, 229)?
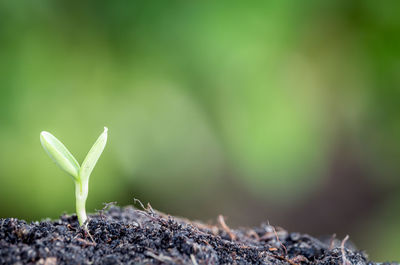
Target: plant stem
(81, 193)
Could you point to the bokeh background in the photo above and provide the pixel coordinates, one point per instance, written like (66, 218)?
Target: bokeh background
(287, 111)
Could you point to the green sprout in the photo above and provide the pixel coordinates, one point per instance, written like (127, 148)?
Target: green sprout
(67, 162)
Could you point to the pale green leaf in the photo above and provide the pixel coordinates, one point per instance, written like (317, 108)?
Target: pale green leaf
(93, 155)
(59, 154)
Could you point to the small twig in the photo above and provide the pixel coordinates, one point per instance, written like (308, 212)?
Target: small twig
(150, 209)
(277, 238)
(225, 227)
(345, 261)
(299, 258)
(148, 215)
(140, 203)
(194, 261)
(107, 205)
(87, 230)
(292, 261)
(70, 227)
(147, 209)
(253, 233)
(332, 242)
(85, 242)
(284, 258)
(271, 235)
(160, 257)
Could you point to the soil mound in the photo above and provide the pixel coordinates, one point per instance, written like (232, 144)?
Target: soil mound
(131, 236)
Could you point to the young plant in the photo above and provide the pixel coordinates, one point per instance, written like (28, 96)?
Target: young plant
(80, 174)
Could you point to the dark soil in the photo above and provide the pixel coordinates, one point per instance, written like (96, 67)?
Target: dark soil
(130, 236)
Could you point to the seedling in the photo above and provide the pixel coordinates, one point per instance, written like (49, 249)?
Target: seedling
(67, 162)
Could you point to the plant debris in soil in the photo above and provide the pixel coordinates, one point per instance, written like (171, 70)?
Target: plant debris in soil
(131, 236)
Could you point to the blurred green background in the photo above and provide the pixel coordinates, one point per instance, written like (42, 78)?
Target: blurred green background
(287, 111)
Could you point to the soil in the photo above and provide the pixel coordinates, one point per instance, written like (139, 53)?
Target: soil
(131, 236)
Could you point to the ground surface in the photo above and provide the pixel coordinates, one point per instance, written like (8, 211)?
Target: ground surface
(130, 236)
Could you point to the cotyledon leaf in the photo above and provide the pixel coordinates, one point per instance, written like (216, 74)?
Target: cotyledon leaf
(59, 154)
(93, 155)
